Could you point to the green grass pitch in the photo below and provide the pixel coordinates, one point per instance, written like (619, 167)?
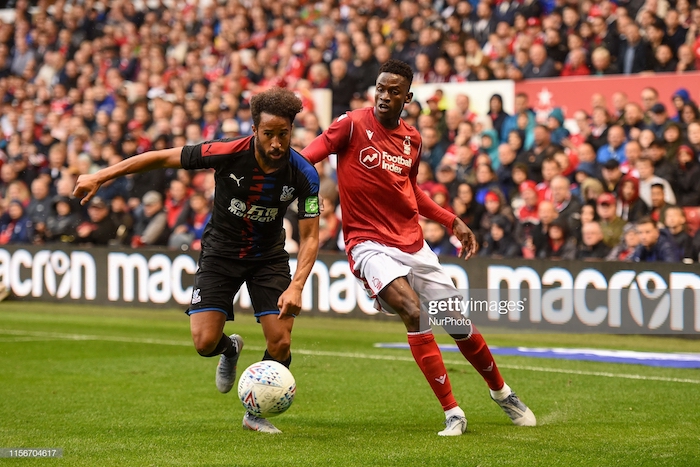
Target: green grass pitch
(124, 387)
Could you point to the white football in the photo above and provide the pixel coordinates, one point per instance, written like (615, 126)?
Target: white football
(266, 388)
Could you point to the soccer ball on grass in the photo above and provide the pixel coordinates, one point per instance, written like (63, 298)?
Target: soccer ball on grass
(266, 388)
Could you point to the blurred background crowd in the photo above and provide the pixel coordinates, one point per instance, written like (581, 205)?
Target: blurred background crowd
(85, 84)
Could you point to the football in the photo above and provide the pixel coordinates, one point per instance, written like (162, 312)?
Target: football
(266, 389)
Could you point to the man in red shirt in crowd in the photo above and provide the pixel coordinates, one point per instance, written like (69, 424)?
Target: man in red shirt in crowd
(378, 156)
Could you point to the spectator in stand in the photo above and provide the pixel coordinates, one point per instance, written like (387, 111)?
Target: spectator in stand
(499, 242)
(330, 229)
(610, 223)
(592, 246)
(650, 97)
(629, 206)
(504, 173)
(100, 228)
(187, 234)
(175, 202)
(674, 220)
(635, 54)
(542, 149)
(611, 175)
(686, 178)
(555, 122)
(654, 244)
(673, 139)
(615, 149)
(535, 236)
(433, 149)
(658, 203)
(627, 246)
(664, 61)
(565, 203)
(591, 189)
(151, 227)
(61, 224)
(599, 129)
(40, 207)
(693, 135)
(576, 64)
(647, 178)
(485, 180)
(659, 120)
(15, 225)
(496, 113)
(124, 220)
(466, 207)
(633, 121)
(437, 238)
(343, 86)
(602, 64)
(540, 65)
(494, 206)
(559, 244)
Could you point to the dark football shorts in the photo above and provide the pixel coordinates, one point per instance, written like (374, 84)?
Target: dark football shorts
(218, 280)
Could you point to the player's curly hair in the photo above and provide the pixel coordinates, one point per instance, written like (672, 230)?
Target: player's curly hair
(279, 102)
(397, 67)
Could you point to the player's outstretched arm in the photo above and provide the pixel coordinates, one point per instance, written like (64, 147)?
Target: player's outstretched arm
(289, 302)
(87, 185)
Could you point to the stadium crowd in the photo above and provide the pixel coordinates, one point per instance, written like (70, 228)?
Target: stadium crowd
(85, 84)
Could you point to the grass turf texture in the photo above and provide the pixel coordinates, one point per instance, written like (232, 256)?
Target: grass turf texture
(120, 400)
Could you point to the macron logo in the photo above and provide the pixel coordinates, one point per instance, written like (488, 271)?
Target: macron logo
(489, 368)
(369, 134)
(441, 379)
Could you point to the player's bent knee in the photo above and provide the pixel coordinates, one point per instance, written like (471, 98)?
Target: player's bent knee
(205, 345)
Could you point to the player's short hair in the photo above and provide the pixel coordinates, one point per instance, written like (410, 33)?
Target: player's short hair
(276, 101)
(397, 67)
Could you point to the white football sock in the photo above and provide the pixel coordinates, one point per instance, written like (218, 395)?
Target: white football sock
(501, 393)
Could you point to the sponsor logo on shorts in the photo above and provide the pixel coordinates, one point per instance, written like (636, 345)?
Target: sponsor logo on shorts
(196, 298)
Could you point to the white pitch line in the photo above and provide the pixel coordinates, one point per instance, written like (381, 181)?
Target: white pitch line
(324, 353)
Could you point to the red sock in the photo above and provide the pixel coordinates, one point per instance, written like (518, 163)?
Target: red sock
(429, 359)
(477, 352)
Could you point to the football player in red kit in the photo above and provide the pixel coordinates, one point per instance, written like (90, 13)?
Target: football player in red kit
(378, 156)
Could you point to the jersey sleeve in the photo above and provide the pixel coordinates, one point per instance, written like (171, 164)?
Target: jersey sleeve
(308, 202)
(332, 141)
(210, 154)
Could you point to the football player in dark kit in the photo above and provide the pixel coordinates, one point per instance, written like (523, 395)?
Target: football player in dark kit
(257, 178)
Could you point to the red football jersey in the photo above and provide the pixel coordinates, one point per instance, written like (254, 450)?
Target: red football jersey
(377, 171)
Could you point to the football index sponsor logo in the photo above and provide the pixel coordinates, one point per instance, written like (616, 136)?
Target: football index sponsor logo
(254, 212)
(371, 158)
